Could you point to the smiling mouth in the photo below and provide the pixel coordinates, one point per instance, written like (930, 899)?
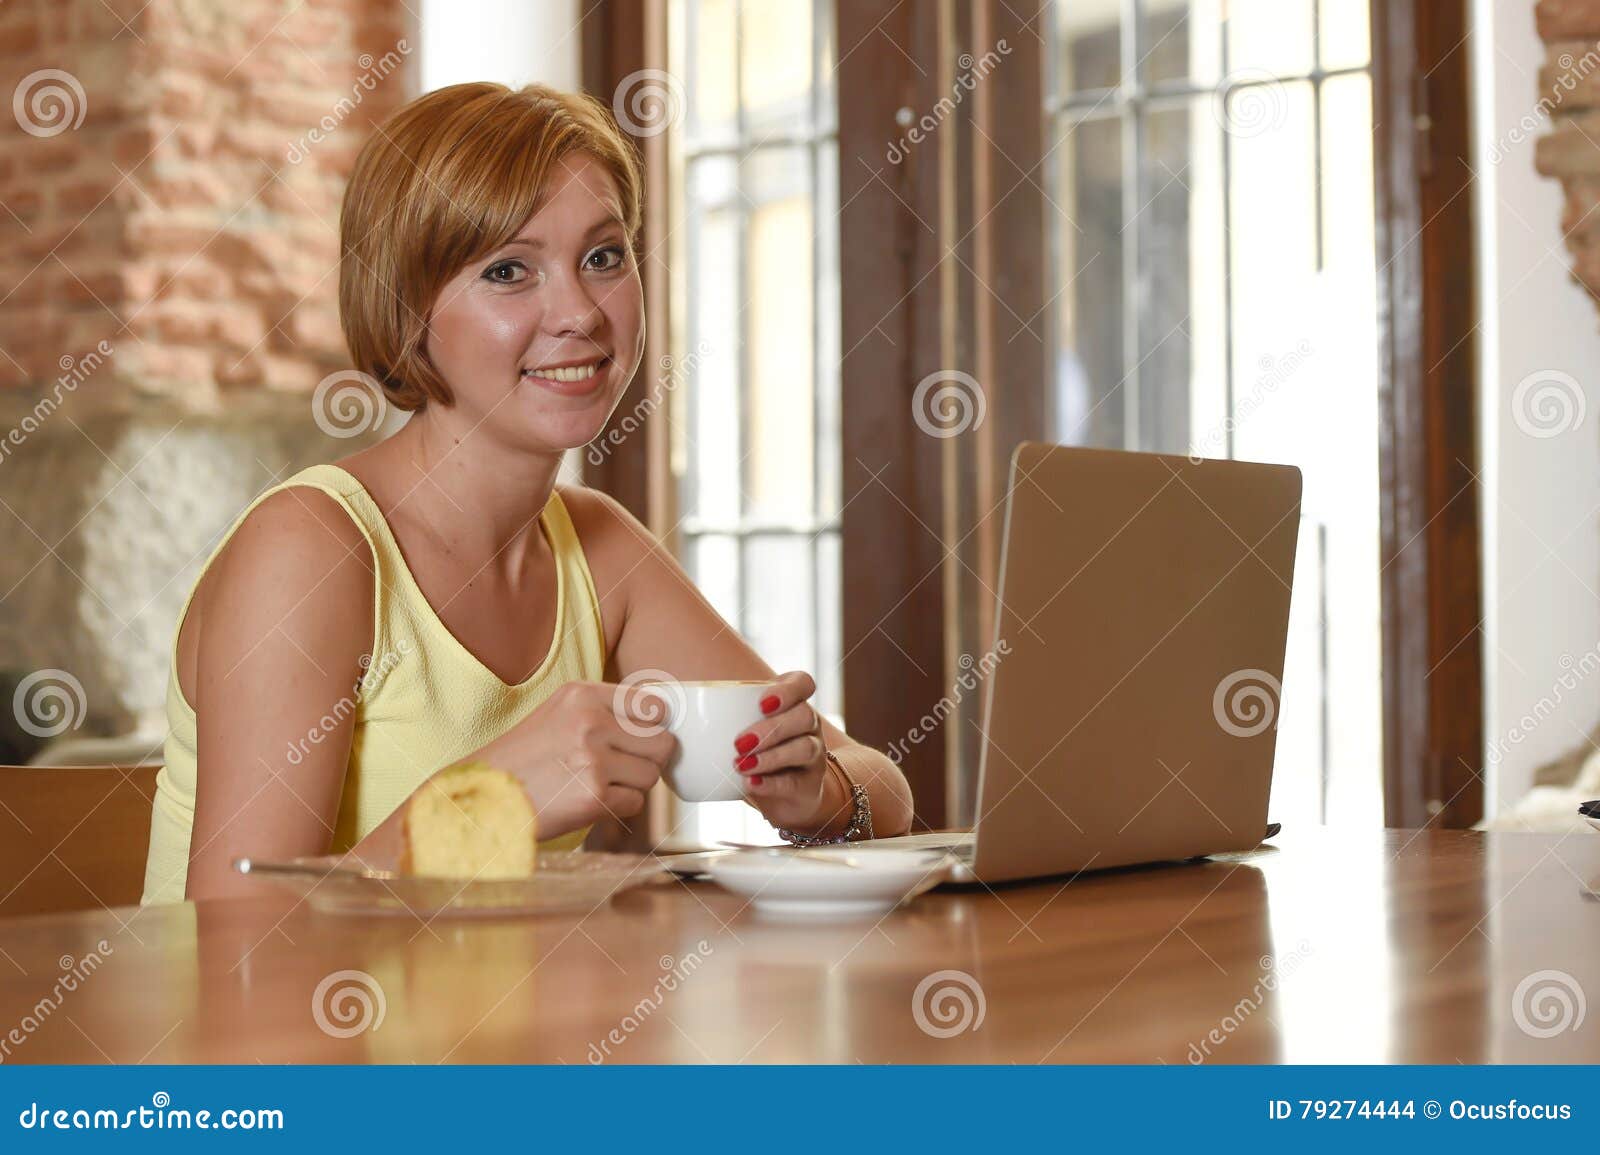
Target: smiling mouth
(567, 372)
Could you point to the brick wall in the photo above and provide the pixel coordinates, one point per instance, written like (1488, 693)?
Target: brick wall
(176, 192)
(1566, 109)
(170, 177)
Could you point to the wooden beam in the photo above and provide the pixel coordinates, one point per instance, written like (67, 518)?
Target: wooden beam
(893, 556)
(1432, 600)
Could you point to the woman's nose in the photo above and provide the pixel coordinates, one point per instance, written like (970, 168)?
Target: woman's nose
(570, 308)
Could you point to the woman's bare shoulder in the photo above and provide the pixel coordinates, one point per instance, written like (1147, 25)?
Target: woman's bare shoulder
(297, 557)
(604, 523)
(298, 529)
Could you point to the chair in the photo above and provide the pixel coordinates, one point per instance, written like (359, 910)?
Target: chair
(73, 837)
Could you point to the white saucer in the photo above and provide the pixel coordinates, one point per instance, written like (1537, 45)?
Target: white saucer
(784, 884)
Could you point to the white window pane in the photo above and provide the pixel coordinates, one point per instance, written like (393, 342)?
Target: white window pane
(779, 365)
(1272, 36)
(1347, 198)
(1238, 248)
(1298, 755)
(779, 614)
(827, 316)
(713, 484)
(1346, 33)
(1273, 215)
(713, 565)
(1181, 317)
(775, 57)
(1181, 40)
(711, 52)
(1203, 325)
(1088, 44)
(1089, 232)
(755, 314)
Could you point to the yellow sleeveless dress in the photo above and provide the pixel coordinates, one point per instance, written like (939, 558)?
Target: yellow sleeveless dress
(424, 702)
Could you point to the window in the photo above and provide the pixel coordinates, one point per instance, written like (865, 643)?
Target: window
(755, 316)
(1212, 189)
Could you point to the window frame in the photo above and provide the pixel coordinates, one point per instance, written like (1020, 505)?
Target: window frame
(908, 602)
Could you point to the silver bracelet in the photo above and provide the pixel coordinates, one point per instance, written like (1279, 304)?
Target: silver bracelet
(860, 827)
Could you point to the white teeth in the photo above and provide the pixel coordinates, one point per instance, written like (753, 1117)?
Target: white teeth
(571, 373)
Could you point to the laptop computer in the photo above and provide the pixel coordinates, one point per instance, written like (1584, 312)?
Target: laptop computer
(1130, 708)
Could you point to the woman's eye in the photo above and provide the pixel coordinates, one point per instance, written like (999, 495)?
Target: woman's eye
(606, 259)
(505, 273)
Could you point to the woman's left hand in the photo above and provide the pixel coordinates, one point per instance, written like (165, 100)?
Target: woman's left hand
(782, 757)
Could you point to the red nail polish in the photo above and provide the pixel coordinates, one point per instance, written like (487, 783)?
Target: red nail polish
(755, 780)
(769, 703)
(748, 762)
(745, 743)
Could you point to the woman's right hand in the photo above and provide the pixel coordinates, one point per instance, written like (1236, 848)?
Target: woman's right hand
(589, 751)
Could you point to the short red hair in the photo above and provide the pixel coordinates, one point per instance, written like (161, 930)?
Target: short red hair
(450, 177)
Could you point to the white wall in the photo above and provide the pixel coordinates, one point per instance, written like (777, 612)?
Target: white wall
(1539, 495)
(514, 42)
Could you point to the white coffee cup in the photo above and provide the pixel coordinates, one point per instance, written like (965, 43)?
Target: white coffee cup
(705, 717)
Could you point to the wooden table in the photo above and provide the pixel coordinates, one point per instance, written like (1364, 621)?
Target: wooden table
(1336, 946)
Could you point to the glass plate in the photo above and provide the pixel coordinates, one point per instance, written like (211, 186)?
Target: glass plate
(566, 881)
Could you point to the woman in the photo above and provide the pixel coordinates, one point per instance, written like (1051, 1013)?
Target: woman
(436, 599)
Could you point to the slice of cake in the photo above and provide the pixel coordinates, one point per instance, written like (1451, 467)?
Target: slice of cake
(470, 821)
